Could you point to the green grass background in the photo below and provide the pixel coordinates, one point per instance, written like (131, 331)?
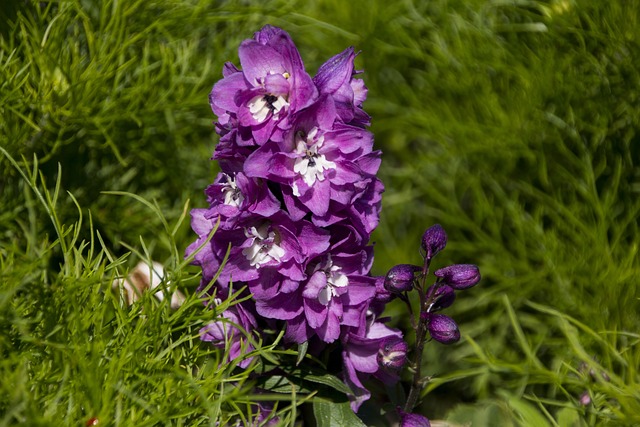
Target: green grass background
(513, 123)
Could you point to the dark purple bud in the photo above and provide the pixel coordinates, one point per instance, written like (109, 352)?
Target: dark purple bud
(443, 298)
(434, 240)
(443, 329)
(413, 420)
(459, 276)
(392, 354)
(400, 278)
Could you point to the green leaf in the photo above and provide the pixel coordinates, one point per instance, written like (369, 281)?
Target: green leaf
(330, 414)
(302, 352)
(316, 376)
(569, 417)
(528, 414)
(303, 378)
(280, 384)
(483, 413)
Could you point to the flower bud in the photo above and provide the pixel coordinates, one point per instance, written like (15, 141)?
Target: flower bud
(585, 399)
(459, 276)
(443, 329)
(400, 278)
(443, 298)
(392, 354)
(434, 240)
(413, 420)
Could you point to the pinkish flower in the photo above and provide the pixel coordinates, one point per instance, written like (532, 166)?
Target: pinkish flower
(231, 331)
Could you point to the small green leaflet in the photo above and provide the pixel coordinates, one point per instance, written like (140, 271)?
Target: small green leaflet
(330, 414)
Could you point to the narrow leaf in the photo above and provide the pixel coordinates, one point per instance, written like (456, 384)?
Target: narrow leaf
(302, 352)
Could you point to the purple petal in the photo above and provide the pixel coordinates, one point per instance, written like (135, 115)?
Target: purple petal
(229, 68)
(349, 139)
(360, 292)
(200, 223)
(294, 206)
(316, 283)
(336, 72)
(259, 163)
(364, 358)
(313, 240)
(329, 331)
(224, 93)
(298, 330)
(315, 313)
(360, 393)
(277, 85)
(282, 306)
(258, 61)
(370, 163)
(354, 315)
(317, 200)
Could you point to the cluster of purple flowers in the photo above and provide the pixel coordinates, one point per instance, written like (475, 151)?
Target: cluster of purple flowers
(296, 201)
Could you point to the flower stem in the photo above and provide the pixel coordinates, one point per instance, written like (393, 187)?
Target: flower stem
(421, 335)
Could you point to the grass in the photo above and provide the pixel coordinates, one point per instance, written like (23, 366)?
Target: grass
(514, 124)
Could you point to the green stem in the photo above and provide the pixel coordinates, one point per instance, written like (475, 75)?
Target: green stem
(421, 335)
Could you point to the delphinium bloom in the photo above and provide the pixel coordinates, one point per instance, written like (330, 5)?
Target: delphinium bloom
(373, 350)
(230, 331)
(293, 209)
(254, 103)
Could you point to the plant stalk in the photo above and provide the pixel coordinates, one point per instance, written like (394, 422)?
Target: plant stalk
(421, 335)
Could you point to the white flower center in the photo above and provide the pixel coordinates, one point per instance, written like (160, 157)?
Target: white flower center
(311, 164)
(263, 105)
(263, 246)
(232, 194)
(335, 280)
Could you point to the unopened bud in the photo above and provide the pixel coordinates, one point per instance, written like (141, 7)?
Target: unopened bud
(392, 354)
(459, 276)
(443, 329)
(434, 240)
(443, 298)
(400, 278)
(413, 420)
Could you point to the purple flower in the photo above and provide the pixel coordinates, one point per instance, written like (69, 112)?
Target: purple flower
(206, 258)
(231, 195)
(270, 254)
(271, 85)
(380, 300)
(443, 328)
(319, 161)
(231, 331)
(392, 354)
(459, 276)
(335, 295)
(336, 78)
(400, 278)
(434, 240)
(294, 207)
(360, 358)
(365, 210)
